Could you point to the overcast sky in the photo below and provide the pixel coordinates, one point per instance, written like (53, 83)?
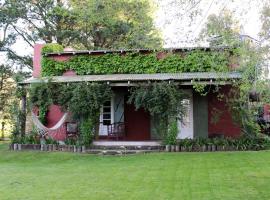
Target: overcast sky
(178, 29)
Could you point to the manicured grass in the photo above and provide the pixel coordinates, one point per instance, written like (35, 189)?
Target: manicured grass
(225, 175)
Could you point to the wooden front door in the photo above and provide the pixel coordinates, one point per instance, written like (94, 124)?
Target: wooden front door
(137, 123)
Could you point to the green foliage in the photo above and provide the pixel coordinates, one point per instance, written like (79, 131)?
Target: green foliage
(85, 24)
(194, 61)
(50, 140)
(30, 138)
(115, 24)
(163, 100)
(83, 100)
(40, 94)
(222, 29)
(160, 98)
(87, 132)
(70, 141)
(243, 143)
(86, 99)
(172, 133)
(52, 48)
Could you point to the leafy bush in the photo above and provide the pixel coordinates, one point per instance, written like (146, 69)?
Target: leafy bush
(172, 133)
(52, 48)
(70, 141)
(242, 143)
(86, 132)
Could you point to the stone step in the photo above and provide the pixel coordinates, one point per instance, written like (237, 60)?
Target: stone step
(119, 152)
(131, 147)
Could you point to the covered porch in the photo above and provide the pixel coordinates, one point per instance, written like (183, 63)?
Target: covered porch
(122, 125)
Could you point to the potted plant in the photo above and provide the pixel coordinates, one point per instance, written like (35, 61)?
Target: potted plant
(171, 136)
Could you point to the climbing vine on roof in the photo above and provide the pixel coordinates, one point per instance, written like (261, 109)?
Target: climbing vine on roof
(193, 61)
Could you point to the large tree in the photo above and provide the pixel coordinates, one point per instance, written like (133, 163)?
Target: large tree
(116, 24)
(90, 24)
(221, 29)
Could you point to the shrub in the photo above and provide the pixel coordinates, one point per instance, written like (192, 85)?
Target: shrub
(172, 133)
(86, 132)
(52, 48)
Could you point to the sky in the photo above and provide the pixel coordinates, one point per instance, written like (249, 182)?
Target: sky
(179, 29)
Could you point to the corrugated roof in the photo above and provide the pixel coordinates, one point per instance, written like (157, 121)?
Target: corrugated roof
(202, 76)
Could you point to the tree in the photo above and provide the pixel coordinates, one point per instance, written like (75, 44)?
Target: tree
(265, 18)
(250, 58)
(221, 29)
(90, 24)
(116, 24)
(7, 86)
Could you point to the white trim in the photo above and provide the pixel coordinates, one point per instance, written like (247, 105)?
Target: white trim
(103, 131)
(112, 109)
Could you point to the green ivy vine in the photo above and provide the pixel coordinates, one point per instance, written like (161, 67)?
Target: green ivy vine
(163, 101)
(193, 61)
(83, 100)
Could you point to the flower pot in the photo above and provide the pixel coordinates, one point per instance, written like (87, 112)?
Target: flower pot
(177, 148)
(79, 149)
(19, 147)
(50, 147)
(190, 149)
(204, 148)
(168, 148)
(15, 147)
(172, 148)
(83, 149)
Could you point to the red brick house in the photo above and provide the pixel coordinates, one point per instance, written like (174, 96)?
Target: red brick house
(139, 123)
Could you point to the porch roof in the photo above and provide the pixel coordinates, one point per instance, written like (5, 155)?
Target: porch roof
(184, 78)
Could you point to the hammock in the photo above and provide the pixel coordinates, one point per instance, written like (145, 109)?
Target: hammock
(43, 130)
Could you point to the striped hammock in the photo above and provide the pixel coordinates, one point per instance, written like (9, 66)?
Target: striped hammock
(43, 130)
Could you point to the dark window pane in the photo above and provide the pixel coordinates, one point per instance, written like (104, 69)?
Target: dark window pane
(106, 122)
(108, 109)
(107, 116)
(107, 103)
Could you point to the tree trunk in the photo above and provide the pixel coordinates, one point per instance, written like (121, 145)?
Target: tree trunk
(2, 130)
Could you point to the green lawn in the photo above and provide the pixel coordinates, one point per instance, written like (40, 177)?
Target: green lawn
(225, 175)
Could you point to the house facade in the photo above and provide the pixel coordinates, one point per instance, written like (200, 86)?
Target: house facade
(206, 115)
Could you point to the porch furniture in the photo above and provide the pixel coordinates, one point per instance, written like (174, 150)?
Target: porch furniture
(116, 131)
(72, 129)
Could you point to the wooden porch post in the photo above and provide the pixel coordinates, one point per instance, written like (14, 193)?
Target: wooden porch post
(23, 113)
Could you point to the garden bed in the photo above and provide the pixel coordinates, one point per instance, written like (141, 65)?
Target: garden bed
(187, 147)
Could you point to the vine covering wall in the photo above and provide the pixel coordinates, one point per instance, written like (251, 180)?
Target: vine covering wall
(193, 61)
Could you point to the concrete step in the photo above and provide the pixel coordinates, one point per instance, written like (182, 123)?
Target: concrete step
(118, 152)
(127, 147)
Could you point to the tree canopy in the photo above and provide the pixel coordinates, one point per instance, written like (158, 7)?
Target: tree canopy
(86, 24)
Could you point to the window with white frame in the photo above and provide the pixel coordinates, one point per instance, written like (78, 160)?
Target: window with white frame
(107, 113)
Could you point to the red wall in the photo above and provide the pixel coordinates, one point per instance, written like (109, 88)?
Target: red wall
(137, 123)
(225, 124)
(37, 60)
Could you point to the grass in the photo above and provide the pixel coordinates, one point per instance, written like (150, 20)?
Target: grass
(224, 175)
